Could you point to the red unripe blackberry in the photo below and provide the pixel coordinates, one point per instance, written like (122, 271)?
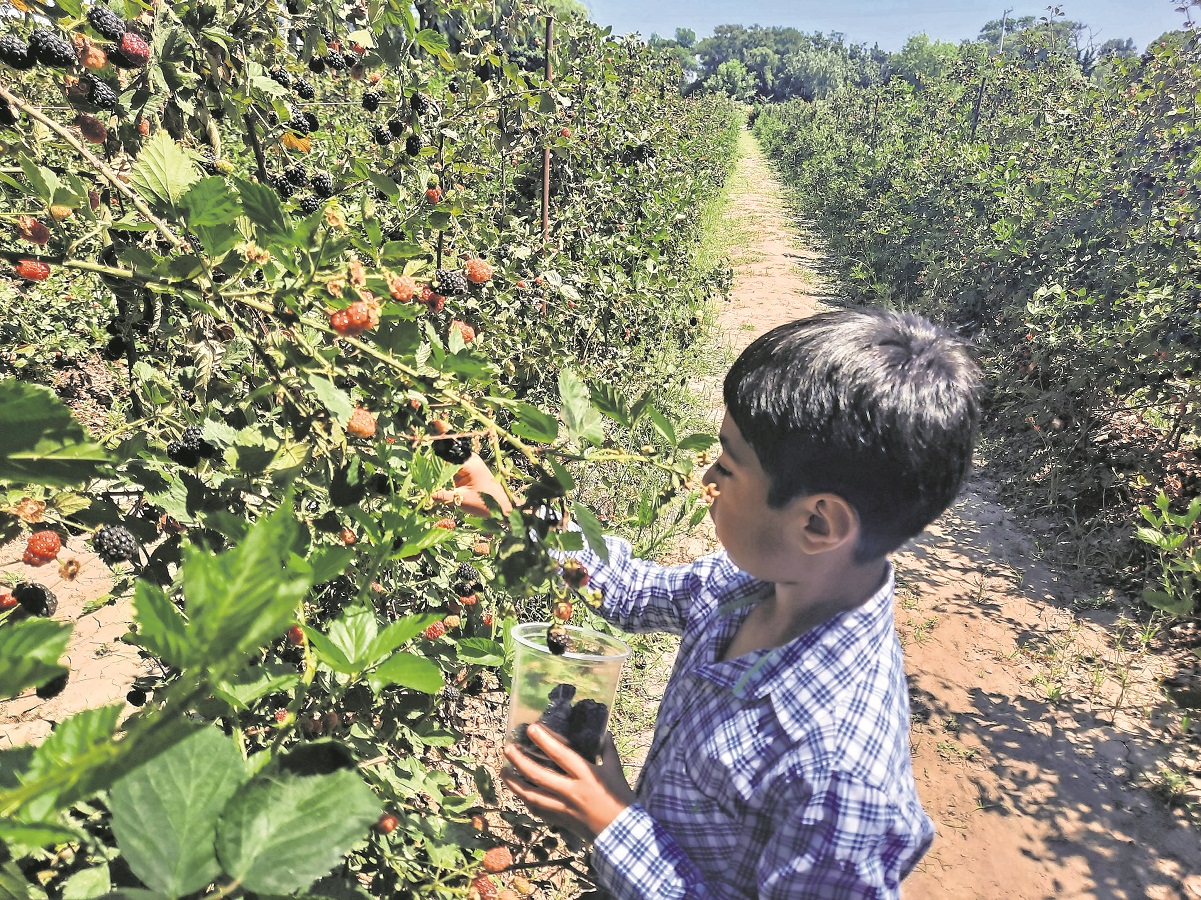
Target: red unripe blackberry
(387, 823)
(114, 544)
(135, 49)
(32, 270)
(42, 547)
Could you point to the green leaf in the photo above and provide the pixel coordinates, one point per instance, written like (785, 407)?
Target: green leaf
(395, 252)
(399, 632)
(73, 738)
(41, 442)
(432, 41)
(383, 184)
(210, 202)
(1172, 605)
(532, 423)
(661, 424)
(165, 812)
(480, 651)
(581, 418)
(606, 398)
(328, 652)
(594, 532)
(408, 670)
(262, 207)
(29, 653)
(329, 562)
(353, 634)
(164, 170)
(87, 883)
(283, 832)
(32, 835)
(253, 684)
(337, 401)
(44, 182)
(248, 595)
(161, 628)
(697, 442)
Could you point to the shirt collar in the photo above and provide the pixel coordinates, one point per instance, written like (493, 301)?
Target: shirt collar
(818, 663)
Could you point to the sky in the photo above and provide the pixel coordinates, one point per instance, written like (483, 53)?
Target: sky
(887, 22)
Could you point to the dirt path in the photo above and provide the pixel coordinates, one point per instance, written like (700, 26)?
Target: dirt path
(1035, 737)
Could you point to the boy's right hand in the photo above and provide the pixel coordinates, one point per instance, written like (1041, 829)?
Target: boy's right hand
(473, 482)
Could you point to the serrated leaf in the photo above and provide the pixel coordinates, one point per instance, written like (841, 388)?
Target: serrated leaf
(87, 884)
(697, 442)
(661, 425)
(263, 208)
(408, 670)
(353, 633)
(161, 627)
(164, 170)
(594, 532)
(29, 653)
(41, 442)
(582, 420)
(480, 651)
(247, 595)
(398, 632)
(281, 833)
(532, 423)
(32, 835)
(432, 41)
(334, 399)
(210, 202)
(165, 812)
(72, 739)
(255, 683)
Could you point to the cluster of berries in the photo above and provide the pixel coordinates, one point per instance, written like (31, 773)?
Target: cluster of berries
(190, 448)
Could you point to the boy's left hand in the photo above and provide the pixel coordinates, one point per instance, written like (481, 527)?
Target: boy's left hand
(583, 798)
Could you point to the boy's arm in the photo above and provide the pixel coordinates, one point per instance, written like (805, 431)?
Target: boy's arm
(637, 595)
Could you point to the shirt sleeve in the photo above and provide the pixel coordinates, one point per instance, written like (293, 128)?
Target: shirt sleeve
(638, 595)
(848, 842)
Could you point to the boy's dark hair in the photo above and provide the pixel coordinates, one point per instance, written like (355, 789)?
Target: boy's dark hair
(878, 407)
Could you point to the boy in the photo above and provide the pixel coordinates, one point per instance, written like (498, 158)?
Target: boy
(780, 765)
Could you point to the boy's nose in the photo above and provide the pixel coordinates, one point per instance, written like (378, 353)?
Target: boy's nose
(709, 477)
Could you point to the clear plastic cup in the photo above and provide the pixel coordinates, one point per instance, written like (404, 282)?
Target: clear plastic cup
(571, 694)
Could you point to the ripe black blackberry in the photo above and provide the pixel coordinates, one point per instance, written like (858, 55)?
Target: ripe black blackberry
(115, 350)
(136, 697)
(334, 61)
(370, 101)
(312, 120)
(114, 544)
(455, 451)
(105, 22)
(452, 86)
(297, 175)
(272, 118)
(305, 89)
(309, 205)
(557, 640)
(419, 103)
(208, 162)
(412, 145)
(184, 456)
(99, 93)
(317, 65)
(281, 77)
(281, 186)
(467, 579)
(451, 283)
(299, 123)
(51, 50)
(350, 59)
(14, 53)
(326, 34)
(193, 436)
(53, 687)
(8, 115)
(381, 135)
(36, 599)
(396, 125)
(323, 184)
(451, 694)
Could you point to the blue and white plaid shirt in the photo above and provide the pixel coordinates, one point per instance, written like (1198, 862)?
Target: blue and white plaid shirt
(784, 773)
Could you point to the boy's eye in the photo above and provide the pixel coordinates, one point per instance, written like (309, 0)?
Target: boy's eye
(721, 470)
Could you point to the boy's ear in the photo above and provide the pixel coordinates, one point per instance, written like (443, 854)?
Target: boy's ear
(824, 522)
